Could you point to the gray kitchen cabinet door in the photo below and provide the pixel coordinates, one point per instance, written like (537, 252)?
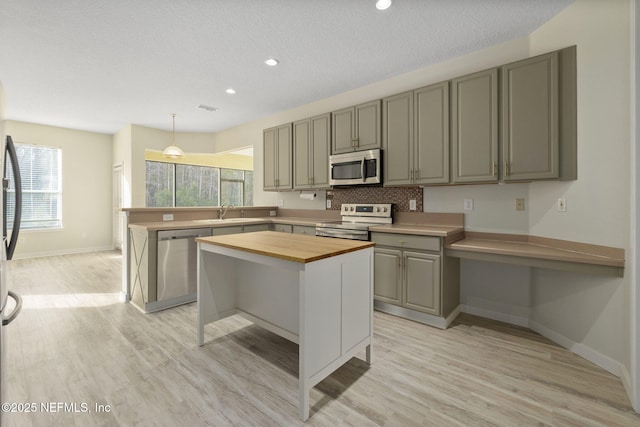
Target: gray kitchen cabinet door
(303, 229)
(302, 173)
(343, 130)
(422, 282)
(368, 126)
(277, 157)
(321, 141)
(397, 139)
(284, 158)
(474, 127)
(431, 135)
(269, 159)
(530, 119)
(387, 283)
(311, 152)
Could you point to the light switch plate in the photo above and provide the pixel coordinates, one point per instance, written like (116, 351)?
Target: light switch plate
(519, 204)
(328, 203)
(412, 205)
(468, 204)
(280, 203)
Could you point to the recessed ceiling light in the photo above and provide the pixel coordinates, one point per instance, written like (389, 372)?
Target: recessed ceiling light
(272, 62)
(383, 4)
(230, 91)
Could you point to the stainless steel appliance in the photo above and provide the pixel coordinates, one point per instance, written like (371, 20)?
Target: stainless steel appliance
(8, 153)
(177, 266)
(357, 168)
(356, 220)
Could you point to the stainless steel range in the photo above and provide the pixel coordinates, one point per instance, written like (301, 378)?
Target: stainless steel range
(356, 220)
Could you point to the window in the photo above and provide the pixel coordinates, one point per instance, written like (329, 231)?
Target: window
(41, 173)
(170, 184)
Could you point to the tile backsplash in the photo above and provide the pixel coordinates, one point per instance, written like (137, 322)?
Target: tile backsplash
(399, 196)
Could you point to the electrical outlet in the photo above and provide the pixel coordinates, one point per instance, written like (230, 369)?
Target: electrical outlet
(328, 203)
(167, 217)
(412, 205)
(468, 204)
(519, 204)
(272, 213)
(562, 204)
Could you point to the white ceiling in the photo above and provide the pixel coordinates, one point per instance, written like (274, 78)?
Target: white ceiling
(99, 65)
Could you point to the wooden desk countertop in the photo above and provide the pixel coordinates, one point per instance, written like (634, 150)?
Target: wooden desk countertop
(291, 247)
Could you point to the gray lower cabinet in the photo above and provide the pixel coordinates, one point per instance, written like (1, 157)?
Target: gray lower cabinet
(220, 231)
(356, 128)
(387, 275)
(283, 228)
(474, 127)
(415, 136)
(412, 273)
(304, 229)
(311, 145)
(277, 143)
(255, 227)
(421, 281)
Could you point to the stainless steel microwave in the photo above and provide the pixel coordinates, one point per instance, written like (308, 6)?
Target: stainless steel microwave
(357, 168)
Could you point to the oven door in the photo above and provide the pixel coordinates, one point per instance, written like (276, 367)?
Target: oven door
(361, 167)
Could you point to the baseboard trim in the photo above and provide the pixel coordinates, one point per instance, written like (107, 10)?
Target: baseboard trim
(496, 315)
(605, 362)
(64, 252)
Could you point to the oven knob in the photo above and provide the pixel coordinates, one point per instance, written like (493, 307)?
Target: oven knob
(377, 209)
(352, 208)
(384, 209)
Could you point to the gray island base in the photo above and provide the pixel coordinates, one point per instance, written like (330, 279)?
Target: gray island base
(314, 291)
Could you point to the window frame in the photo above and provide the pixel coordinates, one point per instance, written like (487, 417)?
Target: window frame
(55, 223)
(174, 190)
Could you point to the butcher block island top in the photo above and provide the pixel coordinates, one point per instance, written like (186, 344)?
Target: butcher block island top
(291, 247)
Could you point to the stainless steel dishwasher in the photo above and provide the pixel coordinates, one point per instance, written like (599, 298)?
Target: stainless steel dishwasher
(177, 264)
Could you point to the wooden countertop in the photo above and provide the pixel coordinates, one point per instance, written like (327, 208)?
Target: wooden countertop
(290, 247)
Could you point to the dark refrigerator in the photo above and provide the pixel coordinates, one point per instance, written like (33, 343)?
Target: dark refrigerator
(11, 204)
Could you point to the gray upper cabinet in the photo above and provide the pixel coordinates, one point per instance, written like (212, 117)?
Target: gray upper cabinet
(356, 128)
(532, 132)
(277, 170)
(432, 134)
(474, 127)
(397, 139)
(530, 119)
(311, 152)
(415, 136)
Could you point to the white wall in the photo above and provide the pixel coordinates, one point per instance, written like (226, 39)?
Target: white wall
(86, 190)
(590, 312)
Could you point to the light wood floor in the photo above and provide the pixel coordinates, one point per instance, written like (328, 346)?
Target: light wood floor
(74, 343)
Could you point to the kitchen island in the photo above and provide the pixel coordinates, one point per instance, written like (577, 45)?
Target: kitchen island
(314, 291)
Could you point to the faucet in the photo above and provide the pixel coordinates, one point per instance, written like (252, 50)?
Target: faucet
(223, 210)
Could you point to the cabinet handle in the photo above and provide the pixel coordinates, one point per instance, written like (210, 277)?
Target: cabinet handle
(506, 168)
(411, 175)
(495, 169)
(416, 174)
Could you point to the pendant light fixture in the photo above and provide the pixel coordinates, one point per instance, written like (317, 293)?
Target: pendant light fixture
(173, 151)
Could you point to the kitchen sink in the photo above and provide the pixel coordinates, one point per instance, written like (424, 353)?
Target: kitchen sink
(219, 221)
